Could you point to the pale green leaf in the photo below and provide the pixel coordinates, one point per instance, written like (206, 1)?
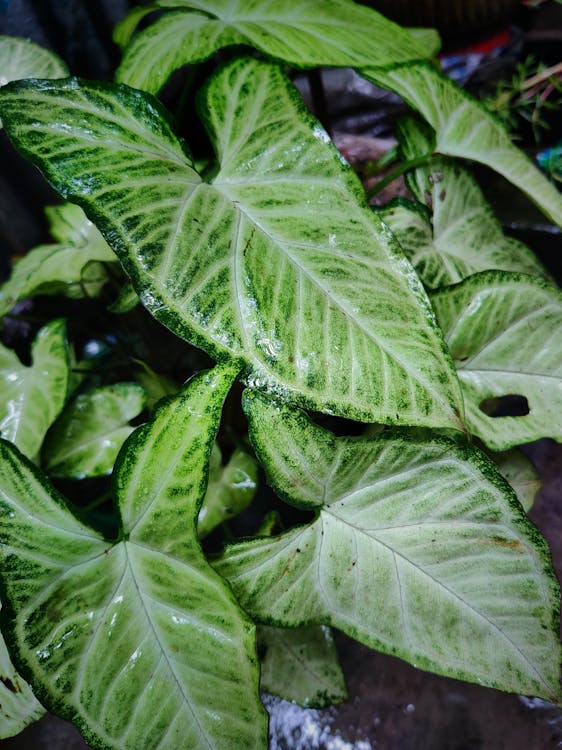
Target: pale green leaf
(86, 438)
(32, 397)
(464, 128)
(156, 386)
(18, 705)
(139, 643)
(419, 549)
(72, 268)
(301, 665)
(302, 34)
(464, 237)
(278, 262)
(20, 58)
(230, 490)
(520, 473)
(503, 330)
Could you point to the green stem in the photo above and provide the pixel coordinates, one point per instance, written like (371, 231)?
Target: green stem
(420, 161)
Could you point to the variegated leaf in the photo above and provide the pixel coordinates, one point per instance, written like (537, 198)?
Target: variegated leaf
(139, 642)
(464, 128)
(302, 34)
(32, 397)
(419, 548)
(278, 262)
(503, 330)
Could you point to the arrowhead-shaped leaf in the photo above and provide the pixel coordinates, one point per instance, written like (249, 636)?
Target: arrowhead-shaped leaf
(463, 235)
(230, 490)
(139, 642)
(503, 330)
(419, 549)
(18, 705)
(86, 438)
(302, 34)
(464, 128)
(278, 262)
(32, 397)
(70, 268)
(301, 665)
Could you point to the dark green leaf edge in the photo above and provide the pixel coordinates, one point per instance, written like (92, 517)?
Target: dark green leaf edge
(466, 453)
(7, 613)
(148, 108)
(8, 616)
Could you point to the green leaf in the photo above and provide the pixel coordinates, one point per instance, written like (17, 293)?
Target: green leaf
(231, 489)
(520, 473)
(503, 330)
(419, 549)
(155, 385)
(18, 705)
(326, 32)
(278, 262)
(32, 397)
(20, 58)
(464, 236)
(71, 268)
(301, 665)
(86, 438)
(464, 128)
(139, 643)
(126, 301)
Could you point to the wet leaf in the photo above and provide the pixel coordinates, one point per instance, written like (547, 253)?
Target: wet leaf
(322, 33)
(117, 636)
(278, 262)
(86, 438)
(419, 549)
(32, 397)
(503, 330)
(301, 665)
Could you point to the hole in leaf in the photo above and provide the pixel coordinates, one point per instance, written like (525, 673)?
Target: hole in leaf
(510, 405)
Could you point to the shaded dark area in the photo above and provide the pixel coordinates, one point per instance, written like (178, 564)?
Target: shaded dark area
(392, 705)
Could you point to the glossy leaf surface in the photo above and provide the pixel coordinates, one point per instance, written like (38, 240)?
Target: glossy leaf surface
(86, 438)
(278, 262)
(230, 490)
(419, 549)
(18, 705)
(139, 642)
(32, 397)
(301, 665)
(302, 34)
(503, 331)
(72, 267)
(464, 128)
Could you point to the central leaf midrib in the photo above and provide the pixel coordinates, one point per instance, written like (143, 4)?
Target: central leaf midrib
(430, 388)
(186, 698)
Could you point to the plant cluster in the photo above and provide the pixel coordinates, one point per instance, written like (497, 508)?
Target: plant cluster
(265, 270)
